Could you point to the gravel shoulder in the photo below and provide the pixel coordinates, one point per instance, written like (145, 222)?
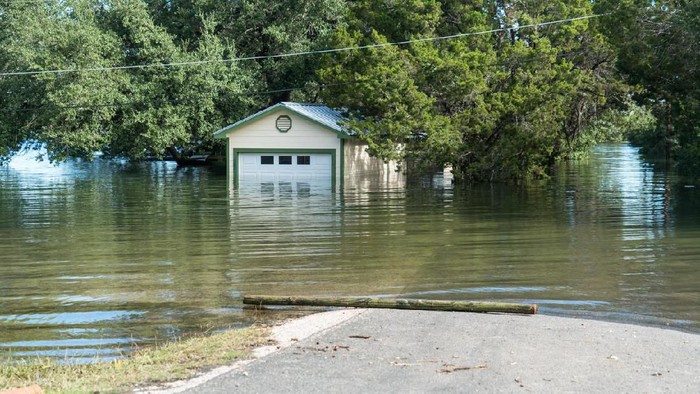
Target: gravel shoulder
(420, 351)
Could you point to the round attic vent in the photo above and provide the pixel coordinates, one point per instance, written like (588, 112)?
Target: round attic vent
(283, 123)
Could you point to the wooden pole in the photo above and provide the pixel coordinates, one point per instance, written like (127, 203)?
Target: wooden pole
(394, 303)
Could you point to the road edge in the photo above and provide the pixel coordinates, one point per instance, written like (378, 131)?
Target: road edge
(282, 335)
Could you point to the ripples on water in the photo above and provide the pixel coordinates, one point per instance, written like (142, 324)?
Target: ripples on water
(98, 257)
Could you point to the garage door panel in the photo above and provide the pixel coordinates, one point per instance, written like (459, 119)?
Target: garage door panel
(247, 159)
(265, 177)
(320, 161)
(284, 167)
(250, 176)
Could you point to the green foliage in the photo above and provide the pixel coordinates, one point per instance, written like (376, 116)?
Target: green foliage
(138, 111)
(172, 105)
(658, 43)
(46, 107)
(632, 123)
(262, 28)
(504, 106)
(501, 106)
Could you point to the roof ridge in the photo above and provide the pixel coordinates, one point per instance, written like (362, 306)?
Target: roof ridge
(291, 103)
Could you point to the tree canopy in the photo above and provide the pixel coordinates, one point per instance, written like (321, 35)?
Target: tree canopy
(153, 102)
(499, 106)
(499, 90)
(130, 112)
(658, 45)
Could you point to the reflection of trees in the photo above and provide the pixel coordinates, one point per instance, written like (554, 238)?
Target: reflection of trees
(282, 235)
(623, 227)
(10, 204)
(602, 231)
(489, 244)
(171, 243)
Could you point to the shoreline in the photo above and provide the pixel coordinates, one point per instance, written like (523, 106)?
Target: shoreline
(633, 319)
(317, 327)
(284, 336)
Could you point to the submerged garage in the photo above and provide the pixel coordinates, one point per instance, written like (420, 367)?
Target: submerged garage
(302, 145)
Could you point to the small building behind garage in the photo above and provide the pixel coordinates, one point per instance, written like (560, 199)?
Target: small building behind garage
(299, 143)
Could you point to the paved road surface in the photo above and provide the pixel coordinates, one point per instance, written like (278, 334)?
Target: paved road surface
(416, 351)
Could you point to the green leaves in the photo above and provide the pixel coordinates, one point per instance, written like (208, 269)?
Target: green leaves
(130, 112)
(503, 106)
(151, 104)
(658, 43)
(49, 108)
(506, 105)
(263, 28)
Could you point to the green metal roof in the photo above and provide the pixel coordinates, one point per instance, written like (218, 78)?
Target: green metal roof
(317, 113)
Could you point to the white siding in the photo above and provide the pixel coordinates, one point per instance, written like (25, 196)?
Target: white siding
(363, 172)
(261, 133)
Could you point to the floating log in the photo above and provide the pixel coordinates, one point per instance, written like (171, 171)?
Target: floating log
(394, 303)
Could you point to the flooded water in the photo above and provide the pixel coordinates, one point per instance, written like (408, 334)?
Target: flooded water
(96, 257)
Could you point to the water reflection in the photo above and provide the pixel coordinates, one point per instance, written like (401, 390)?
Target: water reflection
(274, 219)
(99, 255)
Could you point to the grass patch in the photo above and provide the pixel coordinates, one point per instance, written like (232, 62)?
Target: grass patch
(170, 361)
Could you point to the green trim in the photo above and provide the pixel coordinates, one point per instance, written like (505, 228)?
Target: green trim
(223, 133)
(228, 164)
(342, 163)
(237, 151)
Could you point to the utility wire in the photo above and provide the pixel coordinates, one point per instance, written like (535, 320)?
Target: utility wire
(22, 2)
(181, 100)
(304, 53)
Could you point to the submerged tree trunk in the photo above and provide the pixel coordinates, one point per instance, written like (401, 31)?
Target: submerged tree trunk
(174, 153)
(668, 147)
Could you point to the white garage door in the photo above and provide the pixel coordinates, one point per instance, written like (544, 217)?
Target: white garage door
(284, 167)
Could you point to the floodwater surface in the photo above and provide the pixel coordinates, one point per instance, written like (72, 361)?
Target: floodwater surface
(96, 257)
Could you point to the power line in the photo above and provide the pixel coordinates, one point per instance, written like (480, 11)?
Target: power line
(304, 53)
(181, 100)
(22, 2)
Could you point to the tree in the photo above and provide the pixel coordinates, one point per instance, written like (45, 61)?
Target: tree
(131, 112)
(659, 49)
(46, 108)
(11, 138)
(150, 104)
(173, 106)
(500, 106)
(263, 28)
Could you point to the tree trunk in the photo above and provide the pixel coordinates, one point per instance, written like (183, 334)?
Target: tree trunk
(668, 147)
(394, 303)
(175, 154)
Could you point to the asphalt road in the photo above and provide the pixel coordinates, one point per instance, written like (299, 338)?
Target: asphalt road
(415, 351)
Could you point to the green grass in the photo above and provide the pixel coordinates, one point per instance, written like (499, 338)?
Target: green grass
(148, 366)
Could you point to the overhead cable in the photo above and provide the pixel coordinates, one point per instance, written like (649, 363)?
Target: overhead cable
(303, 53)
(160, 101)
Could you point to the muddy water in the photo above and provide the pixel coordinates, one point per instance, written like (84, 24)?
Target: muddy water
(96, 257)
